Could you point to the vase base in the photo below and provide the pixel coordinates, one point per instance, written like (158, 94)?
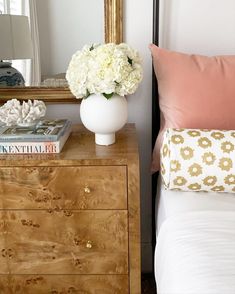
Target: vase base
(105, 139)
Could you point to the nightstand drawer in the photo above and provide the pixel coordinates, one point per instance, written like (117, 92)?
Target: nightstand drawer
(57, 284)
(64, 242)
(82, 187)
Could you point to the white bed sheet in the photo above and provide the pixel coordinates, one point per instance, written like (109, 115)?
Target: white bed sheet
(179, 215)
(170, 203)
(195, 253)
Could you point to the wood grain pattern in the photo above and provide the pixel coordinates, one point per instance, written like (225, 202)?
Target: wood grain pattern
(80, 149)
(4, 264)
(66, 242)
(65, 188)
(42, 232)
(66, 284)
(134, 225)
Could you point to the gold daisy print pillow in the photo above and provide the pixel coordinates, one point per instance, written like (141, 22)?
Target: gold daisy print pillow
(198, 160)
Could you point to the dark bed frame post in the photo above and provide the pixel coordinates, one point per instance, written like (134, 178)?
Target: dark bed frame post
(155, 106)
(155, 118)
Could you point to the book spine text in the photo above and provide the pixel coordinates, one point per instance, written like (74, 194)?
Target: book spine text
(29, 147)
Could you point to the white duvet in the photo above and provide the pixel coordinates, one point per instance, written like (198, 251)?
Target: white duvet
(195, 253)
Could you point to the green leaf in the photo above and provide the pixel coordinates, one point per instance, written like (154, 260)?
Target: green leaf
(130, 60)
(108, 96)
(87, 94)
(92, 47)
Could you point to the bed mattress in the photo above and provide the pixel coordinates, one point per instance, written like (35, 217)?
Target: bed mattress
(170, 203)
(195, 251)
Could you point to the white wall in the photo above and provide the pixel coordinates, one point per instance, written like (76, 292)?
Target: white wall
(198, 26)
(138, 33)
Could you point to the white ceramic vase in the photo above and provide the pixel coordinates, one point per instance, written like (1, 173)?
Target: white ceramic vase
(104, 116)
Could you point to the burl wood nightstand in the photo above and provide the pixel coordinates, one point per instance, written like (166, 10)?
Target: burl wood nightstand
(70, 222)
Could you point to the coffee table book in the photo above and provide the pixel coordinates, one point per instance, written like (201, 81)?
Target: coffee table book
(29, 146)
(43, 130)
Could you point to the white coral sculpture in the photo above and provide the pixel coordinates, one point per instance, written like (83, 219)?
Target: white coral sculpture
(14, 113)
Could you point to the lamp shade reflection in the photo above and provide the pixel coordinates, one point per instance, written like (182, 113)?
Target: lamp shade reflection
(15, 43)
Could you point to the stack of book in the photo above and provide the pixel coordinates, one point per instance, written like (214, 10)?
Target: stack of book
(47, 136)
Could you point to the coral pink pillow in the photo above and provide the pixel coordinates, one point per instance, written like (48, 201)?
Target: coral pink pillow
(195, 91)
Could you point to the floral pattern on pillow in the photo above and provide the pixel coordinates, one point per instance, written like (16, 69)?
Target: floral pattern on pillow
(198, 160)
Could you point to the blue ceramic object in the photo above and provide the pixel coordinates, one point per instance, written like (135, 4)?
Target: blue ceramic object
(9, 76)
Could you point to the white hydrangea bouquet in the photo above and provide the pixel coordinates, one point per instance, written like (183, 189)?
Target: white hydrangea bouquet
(106, 69)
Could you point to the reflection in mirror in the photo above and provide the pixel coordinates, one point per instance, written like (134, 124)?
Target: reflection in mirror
(57, 32)
(15, 44)
(64, 29)
(91, 21)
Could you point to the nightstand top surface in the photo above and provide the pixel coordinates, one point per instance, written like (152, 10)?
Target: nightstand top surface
(80, 148)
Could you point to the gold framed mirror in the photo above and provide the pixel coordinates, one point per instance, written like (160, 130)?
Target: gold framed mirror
(113, 32)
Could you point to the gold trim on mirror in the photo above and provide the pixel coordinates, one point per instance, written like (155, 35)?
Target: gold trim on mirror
(55, 95)
(113, 28)
(113, 21)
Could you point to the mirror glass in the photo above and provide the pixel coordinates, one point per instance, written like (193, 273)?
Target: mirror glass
(65, 26)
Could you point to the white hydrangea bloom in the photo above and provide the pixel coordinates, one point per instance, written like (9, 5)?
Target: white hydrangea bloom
(104, 69)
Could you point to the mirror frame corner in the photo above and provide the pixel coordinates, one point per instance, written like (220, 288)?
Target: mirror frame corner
(113, 33)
